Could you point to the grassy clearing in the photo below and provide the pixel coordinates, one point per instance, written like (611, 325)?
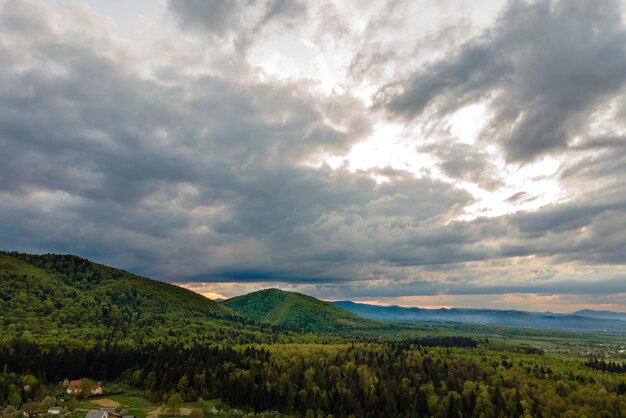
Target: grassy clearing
(135, 404)
(133, 401)
(87, 404)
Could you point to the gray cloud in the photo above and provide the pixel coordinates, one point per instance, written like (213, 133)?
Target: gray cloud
(212, 169)
(214, 16)
(465, 162)
(211, 176)
(543, 68)
(614, 285)
(241, 19)
(283, 9)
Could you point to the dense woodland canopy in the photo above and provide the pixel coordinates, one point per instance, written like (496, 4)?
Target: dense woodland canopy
(65, 317)
(364, 380)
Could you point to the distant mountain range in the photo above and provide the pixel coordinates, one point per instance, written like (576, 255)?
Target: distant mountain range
(584, 320)
(602, 314)
(295, 310)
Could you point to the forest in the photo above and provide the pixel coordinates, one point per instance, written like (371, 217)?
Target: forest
(447, 377)
(66, 318)
(606, 366)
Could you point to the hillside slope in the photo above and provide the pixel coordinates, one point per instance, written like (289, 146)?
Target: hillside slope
(295, 310)
(52, 297)
(509, 318)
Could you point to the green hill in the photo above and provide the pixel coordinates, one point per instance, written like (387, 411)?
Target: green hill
(295, 310)
(63, 297)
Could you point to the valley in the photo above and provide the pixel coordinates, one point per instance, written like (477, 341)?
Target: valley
(273, 353)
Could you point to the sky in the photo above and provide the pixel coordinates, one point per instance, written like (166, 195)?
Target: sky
(421, 153)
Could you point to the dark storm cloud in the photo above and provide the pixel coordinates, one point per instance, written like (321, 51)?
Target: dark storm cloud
(544, 68)
(212, 176)
(563, 218)
(590, 232)
(614, 285)
(600, 160)
(206, 176)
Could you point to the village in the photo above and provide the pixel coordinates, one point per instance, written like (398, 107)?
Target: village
(85, 398)
(67, 402)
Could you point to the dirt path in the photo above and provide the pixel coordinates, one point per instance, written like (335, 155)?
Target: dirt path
(154, 413)
(161, 411)
(106, 402)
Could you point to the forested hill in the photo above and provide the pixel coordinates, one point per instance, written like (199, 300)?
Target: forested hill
(295, 310)
(64, 297)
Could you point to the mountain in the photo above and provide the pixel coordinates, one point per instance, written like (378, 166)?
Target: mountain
(295, 310)
(64, 297)
(485, 317)
(602, 314)
(70, 300)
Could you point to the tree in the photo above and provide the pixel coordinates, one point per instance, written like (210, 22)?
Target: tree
(48, 402)
(15, 397)
(85, 386)
(173, 402)
(484, 407)
(150, 380)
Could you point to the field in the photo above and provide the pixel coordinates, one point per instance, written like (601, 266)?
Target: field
(133, 402)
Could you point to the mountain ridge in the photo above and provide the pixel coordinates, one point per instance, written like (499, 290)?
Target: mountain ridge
(592, 313)
(511, 317)
(60, 296)
(65, 296)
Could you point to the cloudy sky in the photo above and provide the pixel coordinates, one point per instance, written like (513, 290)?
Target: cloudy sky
(432, 153)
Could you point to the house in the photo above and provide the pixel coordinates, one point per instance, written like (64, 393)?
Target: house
(73, 387)
(97, 414)
(55, 410)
